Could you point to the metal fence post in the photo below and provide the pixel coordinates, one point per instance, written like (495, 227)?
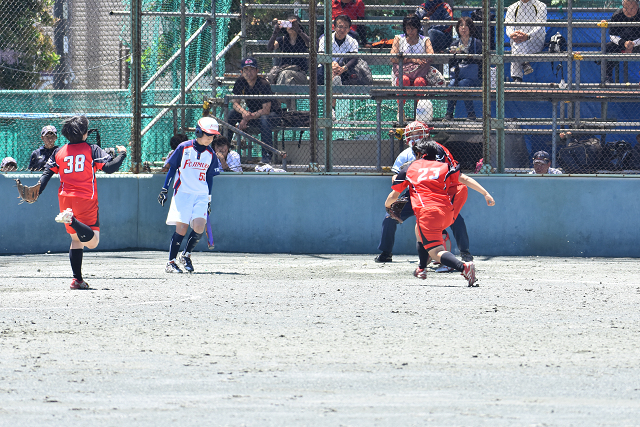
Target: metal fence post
(486, 81)
(214, 48)
(136, 84)
(500, 85)
(313, 85)
(328, 94)
(183, 63)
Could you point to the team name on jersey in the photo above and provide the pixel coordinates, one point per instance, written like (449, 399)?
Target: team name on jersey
(196, 165)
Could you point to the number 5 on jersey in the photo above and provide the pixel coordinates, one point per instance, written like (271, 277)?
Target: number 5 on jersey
(74, 164)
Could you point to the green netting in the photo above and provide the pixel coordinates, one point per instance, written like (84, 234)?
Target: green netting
(161, 39)
(96, 81)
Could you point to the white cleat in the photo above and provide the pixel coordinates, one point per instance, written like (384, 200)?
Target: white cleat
(65, 216)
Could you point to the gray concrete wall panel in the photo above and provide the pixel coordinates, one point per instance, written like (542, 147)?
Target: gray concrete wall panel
(550, 216)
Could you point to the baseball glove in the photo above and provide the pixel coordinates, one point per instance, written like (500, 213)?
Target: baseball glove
(28, 194)
(396, 208)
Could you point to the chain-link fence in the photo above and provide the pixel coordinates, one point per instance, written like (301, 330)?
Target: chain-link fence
(389, 65)
(60, 58)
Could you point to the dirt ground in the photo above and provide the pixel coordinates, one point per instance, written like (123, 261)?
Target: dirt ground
(318, 340)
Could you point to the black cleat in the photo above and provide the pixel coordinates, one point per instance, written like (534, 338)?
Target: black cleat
(185, 260)
(172, 267)
(466, 256)
(384, 257)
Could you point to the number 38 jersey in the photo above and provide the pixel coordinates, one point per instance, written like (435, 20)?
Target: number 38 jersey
(77, 163)
(427, 181)
(195, 166)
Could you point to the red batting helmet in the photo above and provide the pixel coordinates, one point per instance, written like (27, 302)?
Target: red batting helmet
(207, 125)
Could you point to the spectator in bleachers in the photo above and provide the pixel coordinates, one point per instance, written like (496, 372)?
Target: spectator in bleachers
(354, 9)
(623, 39)
(441, 35)
(258, 111)
(541, 163)
(525, 39)
(465, 72)
(8, 164)
(40, 156)
(173, 143)
(342, 66)
(229, 159)
(414, 70)
(292, 70)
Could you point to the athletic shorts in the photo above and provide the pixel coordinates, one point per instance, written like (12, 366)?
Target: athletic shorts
(431, 221)
(185, 207)
(458, 195)
(84, 210)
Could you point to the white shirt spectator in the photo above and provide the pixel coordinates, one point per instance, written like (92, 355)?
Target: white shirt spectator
(525, 11)
(551, 171)
(350, 45)
(405, 47)
(233, 161)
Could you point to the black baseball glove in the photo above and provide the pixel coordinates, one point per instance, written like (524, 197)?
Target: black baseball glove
(396, 208)
(162, 197)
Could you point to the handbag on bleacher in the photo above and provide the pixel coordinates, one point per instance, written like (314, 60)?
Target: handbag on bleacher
(581, 156)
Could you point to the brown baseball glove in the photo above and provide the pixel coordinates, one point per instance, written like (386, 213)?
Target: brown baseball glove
(28, 194)
(396, 208)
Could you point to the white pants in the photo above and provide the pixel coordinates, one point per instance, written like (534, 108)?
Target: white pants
(185, 207)
(530, 46)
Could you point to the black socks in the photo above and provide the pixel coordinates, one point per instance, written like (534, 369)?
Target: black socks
(423, 255)
(176, 241)
(194, 238)
(84, 232)
(450, 260)
(75, 256)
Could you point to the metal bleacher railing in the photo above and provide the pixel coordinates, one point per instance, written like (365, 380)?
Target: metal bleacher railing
(186, 51)
(575, 88)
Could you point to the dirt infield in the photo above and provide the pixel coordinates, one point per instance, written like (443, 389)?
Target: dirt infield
(318, 340)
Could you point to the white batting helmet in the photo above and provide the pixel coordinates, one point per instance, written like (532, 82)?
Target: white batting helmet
(208, 125)
(415, 131)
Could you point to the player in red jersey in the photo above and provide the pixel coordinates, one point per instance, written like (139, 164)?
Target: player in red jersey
(428, 180)
(77, 163)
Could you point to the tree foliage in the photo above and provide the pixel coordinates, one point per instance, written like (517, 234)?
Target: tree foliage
(25, 49)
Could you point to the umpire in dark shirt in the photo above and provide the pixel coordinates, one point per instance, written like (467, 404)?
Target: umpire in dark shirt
(258, 111)
(623, 39)
(40, 156)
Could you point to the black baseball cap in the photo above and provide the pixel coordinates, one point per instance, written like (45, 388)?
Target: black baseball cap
(249, 62)
(542, 156)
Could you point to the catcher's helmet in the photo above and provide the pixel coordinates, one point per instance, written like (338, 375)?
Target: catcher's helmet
(416, 131)
(207, 125)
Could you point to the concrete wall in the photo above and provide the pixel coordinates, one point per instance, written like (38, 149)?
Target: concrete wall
(551, 216)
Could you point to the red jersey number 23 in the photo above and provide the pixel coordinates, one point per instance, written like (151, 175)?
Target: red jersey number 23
(74, 163)
(435, 173)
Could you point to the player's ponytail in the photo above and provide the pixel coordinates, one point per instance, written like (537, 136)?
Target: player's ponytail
(74, 128)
